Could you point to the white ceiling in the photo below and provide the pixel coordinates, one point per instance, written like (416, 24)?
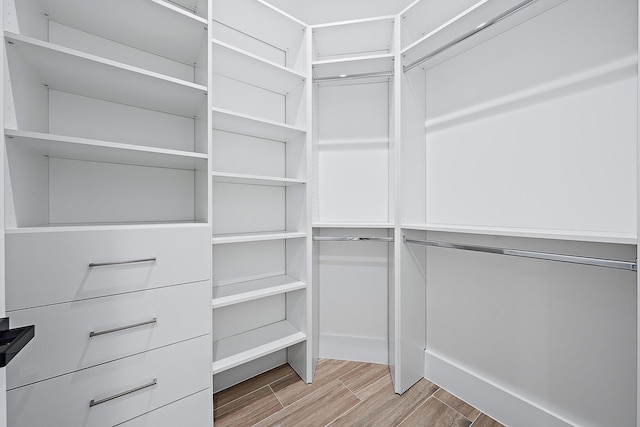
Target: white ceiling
(321, 11)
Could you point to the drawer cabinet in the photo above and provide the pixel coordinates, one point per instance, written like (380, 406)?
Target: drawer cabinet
(57, 267)
(188, 412)
(114, 392)
(63, 343)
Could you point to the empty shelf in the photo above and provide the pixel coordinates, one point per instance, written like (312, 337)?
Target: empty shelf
(352, 225)
(67, 147)
(69, 70)
(219, 239)
(244, 124)
(105, 19)
(353, 67)
(244, 66)
(573, 235)
(233, 178)
(254, 289)
(238, 349)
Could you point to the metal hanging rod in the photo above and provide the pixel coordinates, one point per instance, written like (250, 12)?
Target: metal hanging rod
(351, 77)
(483, 26)
(598, 262)
(351, 239)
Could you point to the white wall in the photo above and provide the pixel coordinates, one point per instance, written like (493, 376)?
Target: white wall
(536, 129)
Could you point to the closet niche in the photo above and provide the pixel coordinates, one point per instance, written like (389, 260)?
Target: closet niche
(353, 217)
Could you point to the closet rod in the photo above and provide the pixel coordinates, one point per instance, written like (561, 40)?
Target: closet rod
(471, 33)
(598, 262)
(352, 77)
(351, 239)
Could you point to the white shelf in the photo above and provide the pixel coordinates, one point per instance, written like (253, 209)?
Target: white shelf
(354, 66)
(353, 38)
(148, 33)
(69, 70)
(467, 21)
(220, 239)
(241, 65)
(244, 124)
(254, 289)
(67, 147)
(234, 178)
(352, 225)
(572, 235)
(65, 228)
(236, 350)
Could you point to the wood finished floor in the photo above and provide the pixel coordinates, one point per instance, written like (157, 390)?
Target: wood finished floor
(343, 393)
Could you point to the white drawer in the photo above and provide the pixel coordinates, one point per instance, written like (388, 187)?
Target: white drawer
(192, 411)
(53, 267)
(62, 343)
(179, 369)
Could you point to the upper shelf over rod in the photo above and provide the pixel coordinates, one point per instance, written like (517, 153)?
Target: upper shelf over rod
(458, 34)
(574, 259)
(352, 239)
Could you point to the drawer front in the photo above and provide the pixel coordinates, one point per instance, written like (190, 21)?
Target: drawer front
(192, 411)
(179, 371)
(62, 343)
(54, 267)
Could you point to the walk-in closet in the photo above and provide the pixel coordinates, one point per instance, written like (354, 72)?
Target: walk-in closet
(202, 193)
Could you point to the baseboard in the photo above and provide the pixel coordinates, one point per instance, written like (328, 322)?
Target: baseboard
(495, 401)
(350, 347)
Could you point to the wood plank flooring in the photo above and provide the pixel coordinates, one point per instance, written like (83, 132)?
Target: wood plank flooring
(343, 393)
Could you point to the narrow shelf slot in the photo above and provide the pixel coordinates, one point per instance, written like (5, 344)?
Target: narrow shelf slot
(236, 350)
(75, 72)
(244, 124)
(72, 148)
(233, 178)
(254, 289)
(219, 239)
(241, 65)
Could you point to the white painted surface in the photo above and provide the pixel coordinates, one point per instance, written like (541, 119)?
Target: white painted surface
(49, 268)
(91, 192)
(353, 153)
(174, 381)
(544, 331)
(84, 117)
(63, 344)
(500, 403)
(353, 280)
(511, 172)
(188, 411)
(231, 265)
(326, 11)
(359, 38)
(235, 206)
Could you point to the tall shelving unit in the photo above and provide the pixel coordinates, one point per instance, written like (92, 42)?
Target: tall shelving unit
(106, 192)
(260, 214)
(354, 125)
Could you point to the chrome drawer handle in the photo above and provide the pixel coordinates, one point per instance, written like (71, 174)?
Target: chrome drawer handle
(124, 393)
(122, 328)
(132, 261)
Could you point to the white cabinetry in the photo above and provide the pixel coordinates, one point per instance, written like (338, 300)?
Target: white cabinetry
(106, 208)
(260, 214)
